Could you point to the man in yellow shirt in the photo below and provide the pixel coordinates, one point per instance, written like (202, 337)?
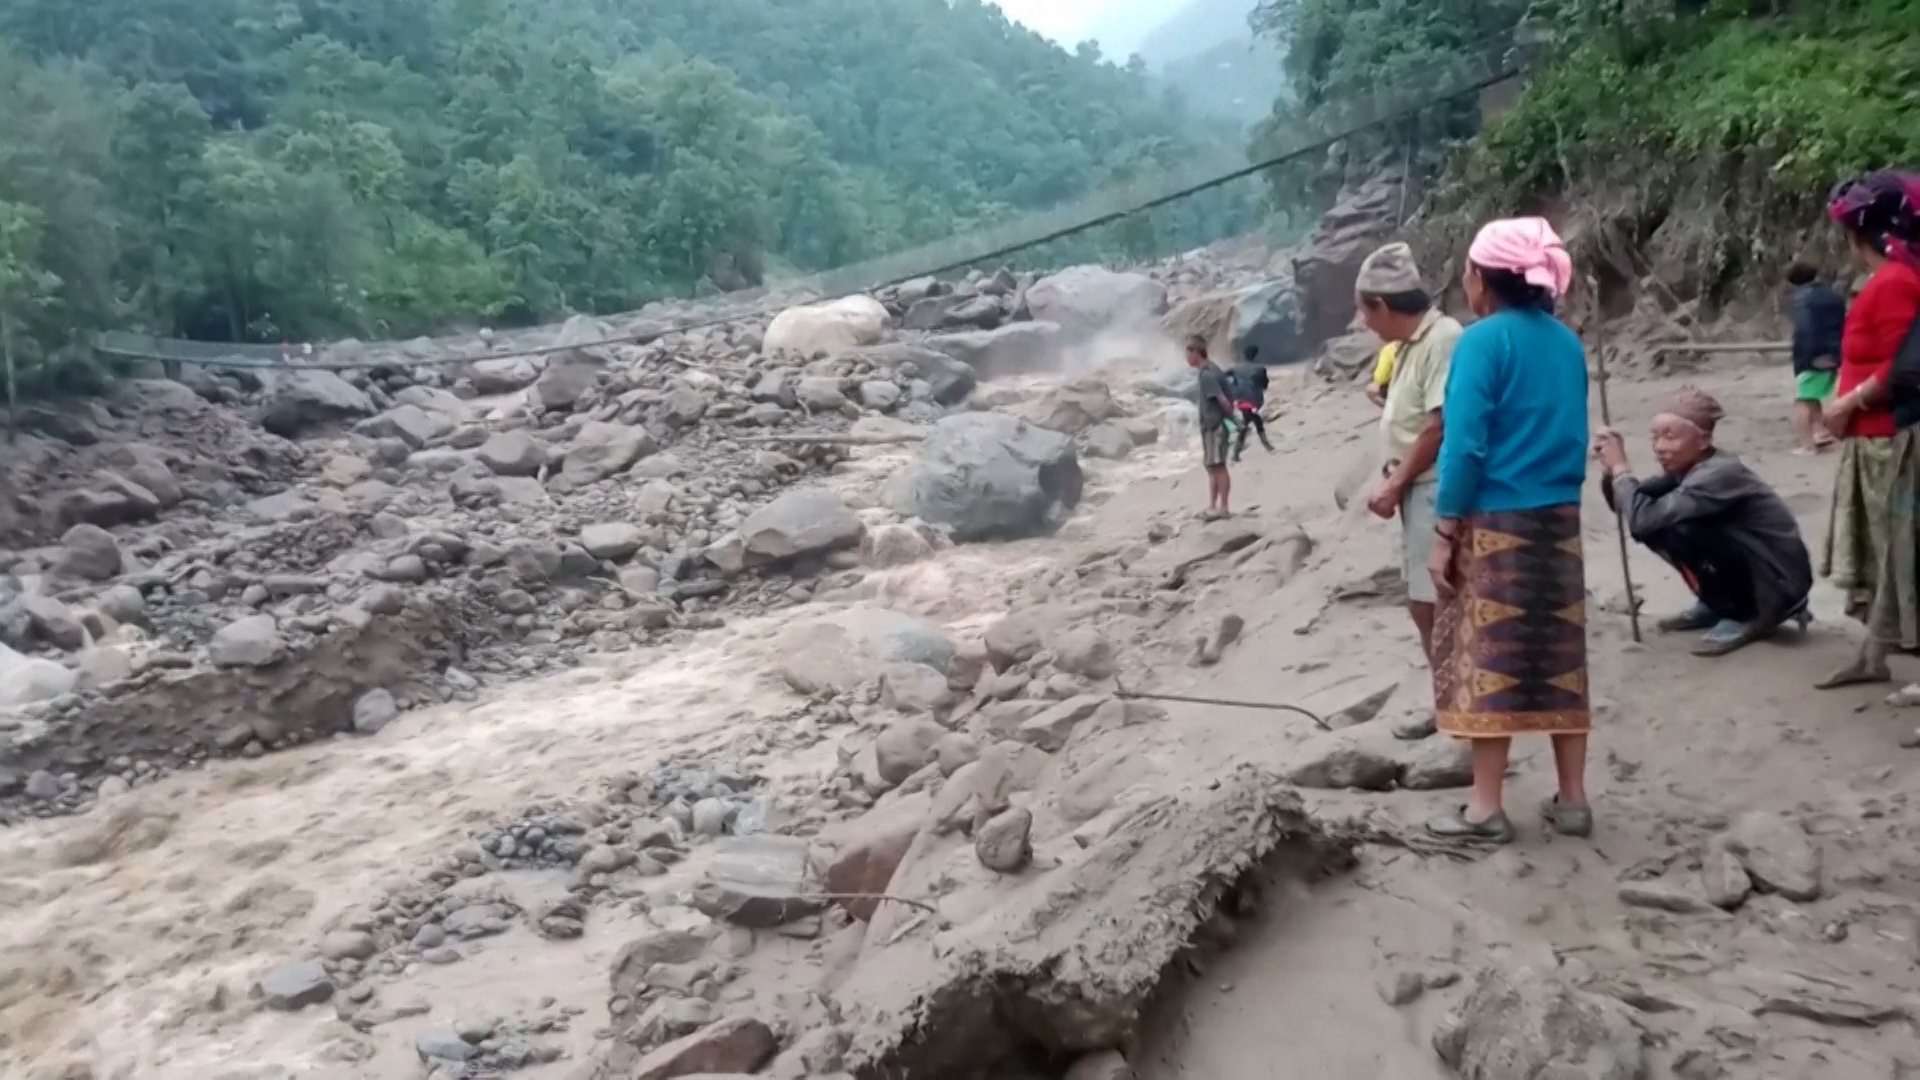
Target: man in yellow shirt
(1394, 304)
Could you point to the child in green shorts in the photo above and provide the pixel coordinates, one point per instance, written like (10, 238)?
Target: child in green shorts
(1819, 315)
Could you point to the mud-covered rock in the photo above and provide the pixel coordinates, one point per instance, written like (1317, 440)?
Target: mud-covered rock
(602, 449)
(804, 521)
(1018, 349)
(1522, 1022)
(291, 987)
(949, 381)
(738, 1045)
(297, 402)
(906, 747)
(758, 882)
(1073, 407)
(567, 379)
(254, 641)
(1777, 854)
(1338, 761)
(512, 453)
(1003, 844)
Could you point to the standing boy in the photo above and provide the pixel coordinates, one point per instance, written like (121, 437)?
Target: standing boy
(1248, 383)
(1216, 427)
(1819, 316)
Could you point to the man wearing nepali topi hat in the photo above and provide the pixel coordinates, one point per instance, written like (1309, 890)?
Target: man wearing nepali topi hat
(1394, 303)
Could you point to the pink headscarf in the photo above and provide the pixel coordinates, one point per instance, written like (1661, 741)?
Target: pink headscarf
(1526, 246)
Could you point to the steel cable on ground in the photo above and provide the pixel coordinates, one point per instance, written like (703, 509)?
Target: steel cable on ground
(1388, 109)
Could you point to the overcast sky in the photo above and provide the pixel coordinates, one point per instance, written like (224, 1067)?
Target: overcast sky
(1065, 21)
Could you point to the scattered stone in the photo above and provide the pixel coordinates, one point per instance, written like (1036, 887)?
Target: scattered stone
(1085, 652)
(1051, 729)
(914, 688)
(736, 1045)
(300, 401)
(90, 552)
(123, 604)
(889, 546)
(1437, 764)
(1660, 897)
(567, 379)
(905, 748)
(429, 936)
(443, 1044)
(54, 621)
(1723, 879)
(1777, 854)
(1524, 1023)
(373, 711)
(601, 450)
(1402, 988)
(1111, 441)
(513, 453)
(1336, 762)
(347, 945)
(613, 541)
(254, 641)
(1003, 844)
(43, 786)
(804, 521)
(710, 817)
(291, 987)
(639, 956)
(865, 869)
(758, 882)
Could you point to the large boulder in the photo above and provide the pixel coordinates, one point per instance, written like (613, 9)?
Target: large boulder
(1267, 316)
(25, 680)
(502, 376)
(804, 521)
(146, 466)
(408, 423)
(990, 476)
(1089, 300)
(254, 641)
(1073, 407)
(1364, 216)
(567, 379)
(951, 380)
(1011, 350)
(841, 652)
(297, 402)
(89, 551)
(955, 312)
(513, 453)
(601, 450)
(827, 329)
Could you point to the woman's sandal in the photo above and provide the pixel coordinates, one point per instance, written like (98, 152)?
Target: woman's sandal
(1453, 825)
(1568, 820)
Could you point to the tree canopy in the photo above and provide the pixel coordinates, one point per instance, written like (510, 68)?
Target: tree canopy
(259, 169)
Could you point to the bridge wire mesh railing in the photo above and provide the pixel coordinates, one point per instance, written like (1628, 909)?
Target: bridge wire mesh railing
(1447, 80)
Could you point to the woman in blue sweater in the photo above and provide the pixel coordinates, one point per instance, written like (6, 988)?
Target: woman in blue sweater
(1510, 644)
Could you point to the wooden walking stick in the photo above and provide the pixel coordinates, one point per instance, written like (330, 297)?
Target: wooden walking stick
(1619, 511)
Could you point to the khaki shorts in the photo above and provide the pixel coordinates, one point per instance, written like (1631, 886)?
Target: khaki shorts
(1417, 521)
(1214, 445)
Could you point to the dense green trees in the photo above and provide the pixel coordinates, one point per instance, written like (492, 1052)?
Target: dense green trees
(252, 169)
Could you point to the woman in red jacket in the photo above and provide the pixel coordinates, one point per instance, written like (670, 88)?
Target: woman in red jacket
(1871, 531)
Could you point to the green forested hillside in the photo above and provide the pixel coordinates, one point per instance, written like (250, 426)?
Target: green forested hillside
(248, 169)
